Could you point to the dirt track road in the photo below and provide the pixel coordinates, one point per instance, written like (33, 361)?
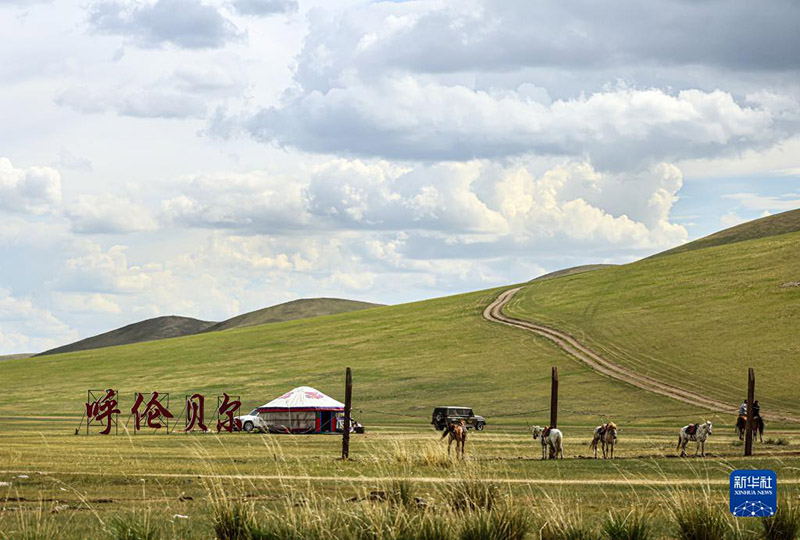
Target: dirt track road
(494, 312)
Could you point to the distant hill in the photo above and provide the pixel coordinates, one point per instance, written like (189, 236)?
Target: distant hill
(149, 330)
(175, 326)
(786, 222)
(571, 271)
(296, 309)
(14, 356)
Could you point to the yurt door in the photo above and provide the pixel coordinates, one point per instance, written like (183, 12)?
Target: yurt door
(327, 418)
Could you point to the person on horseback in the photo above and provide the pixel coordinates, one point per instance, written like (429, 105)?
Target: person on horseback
(756, 409)
(743, 408)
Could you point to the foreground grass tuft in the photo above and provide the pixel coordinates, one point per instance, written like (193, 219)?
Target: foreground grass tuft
(634, 525)
(777, 441)
(134, 526)
(564, 524)
(696, 517)
(785, 524)
(472, 494)
(233, 520)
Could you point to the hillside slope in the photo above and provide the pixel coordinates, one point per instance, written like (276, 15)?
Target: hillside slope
(696, 319)
(571, 271)
(290, 311)
(406, 359)
(175, 326)
(786, 222)
(148, 330)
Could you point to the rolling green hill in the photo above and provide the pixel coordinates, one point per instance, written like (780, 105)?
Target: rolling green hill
(14, 356)
(786, 222)
(406, 359)
(697, 318)
(149, 330)
(173, 326)
(289, 311)
(571, 271)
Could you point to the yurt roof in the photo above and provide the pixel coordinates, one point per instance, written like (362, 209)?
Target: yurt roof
(303, 397)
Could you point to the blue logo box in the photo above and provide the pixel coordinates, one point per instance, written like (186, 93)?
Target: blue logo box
(754, 493)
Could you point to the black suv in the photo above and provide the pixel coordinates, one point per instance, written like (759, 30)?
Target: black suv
(442, 415)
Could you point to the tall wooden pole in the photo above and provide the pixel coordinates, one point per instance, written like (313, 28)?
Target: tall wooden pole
(348, 399)
(751, 391)
(554, 398)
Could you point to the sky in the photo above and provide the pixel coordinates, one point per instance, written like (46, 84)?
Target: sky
(207, 158)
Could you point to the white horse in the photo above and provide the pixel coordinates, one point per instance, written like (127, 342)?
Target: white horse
(700, 433)
(606, 435)
(552, 438)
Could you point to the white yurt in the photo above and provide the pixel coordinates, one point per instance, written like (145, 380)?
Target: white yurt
(302, 410)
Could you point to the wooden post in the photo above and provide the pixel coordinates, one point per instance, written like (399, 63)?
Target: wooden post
(554, 398)
(751, 391)
(348, 398)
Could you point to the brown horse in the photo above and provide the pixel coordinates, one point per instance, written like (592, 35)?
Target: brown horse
(458, 433)
(758, 427)
(606, 435)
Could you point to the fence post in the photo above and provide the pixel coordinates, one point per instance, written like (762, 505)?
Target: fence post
(554, 398)
(751, 390)
(348, 398)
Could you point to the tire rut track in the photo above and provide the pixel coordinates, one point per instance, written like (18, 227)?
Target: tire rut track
(494, 313)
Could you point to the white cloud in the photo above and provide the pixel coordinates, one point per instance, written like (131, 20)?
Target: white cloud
(264, 8)
(731, 219)
(482, 36)
(108, 214)
(142, 103)
(753, 201)
(86, 303)
(476, 199)
(404, 118)
(24, 327)
(106, 271)
(183, 23)
(35, 189)
(256, 201)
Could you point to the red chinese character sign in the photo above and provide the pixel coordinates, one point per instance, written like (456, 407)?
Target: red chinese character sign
(152, 411)
(155, 410)
(226, 409)
(195, 413)
(103, 410)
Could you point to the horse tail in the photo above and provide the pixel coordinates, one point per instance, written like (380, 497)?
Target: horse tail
(446, 432)
(679, 442)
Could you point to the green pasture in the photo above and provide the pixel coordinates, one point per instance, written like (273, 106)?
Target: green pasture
(406, 360)
(91, 479)
(697, 319)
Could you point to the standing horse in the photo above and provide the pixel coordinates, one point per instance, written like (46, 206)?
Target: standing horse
(552, 438)
(606, 435)
(694, 432)
(758, 427)
(458, 434)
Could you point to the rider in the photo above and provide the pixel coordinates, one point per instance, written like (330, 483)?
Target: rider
(743, 408)
(756, 410)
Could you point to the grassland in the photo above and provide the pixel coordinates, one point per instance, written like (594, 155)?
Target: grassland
(406, 360)
(304, 308)
(697, 319)
(784, 223)
(92, 480)
(702, 315)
